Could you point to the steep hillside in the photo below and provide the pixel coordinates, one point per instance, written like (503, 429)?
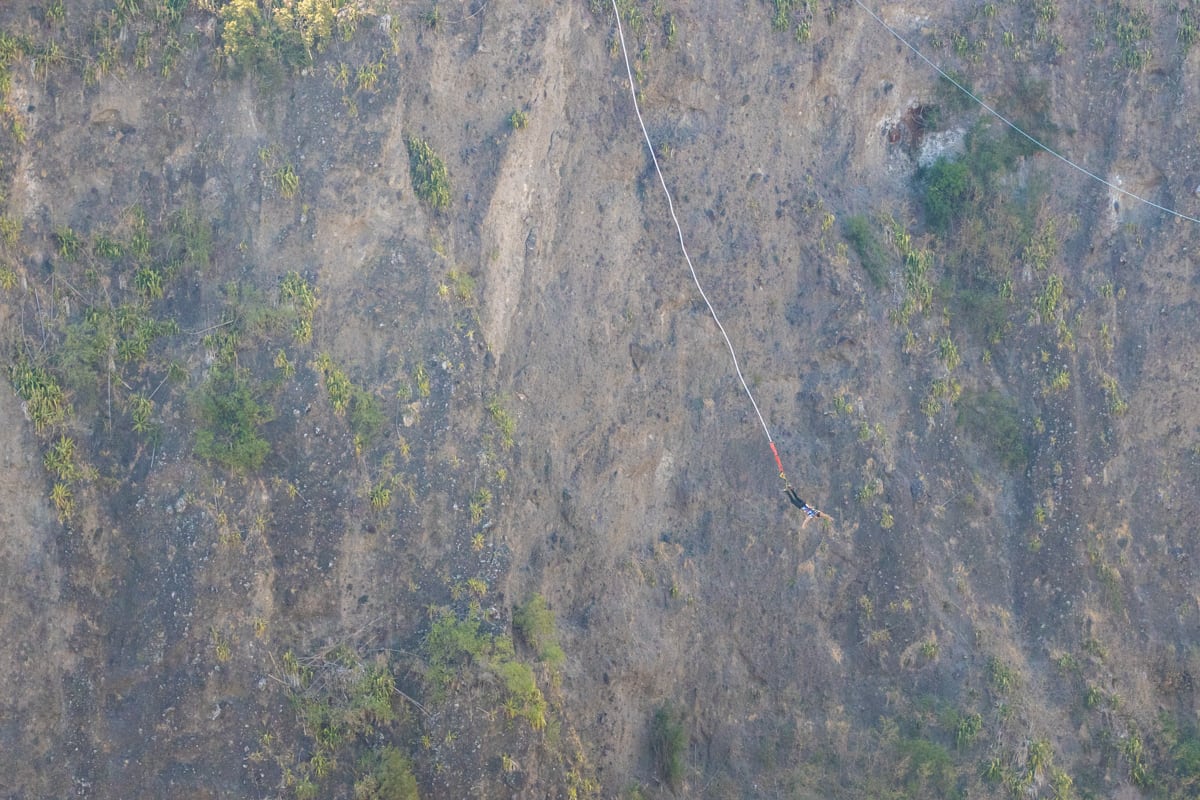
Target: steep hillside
(369, 438)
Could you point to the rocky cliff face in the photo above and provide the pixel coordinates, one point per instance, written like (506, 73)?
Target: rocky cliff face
(356, 372)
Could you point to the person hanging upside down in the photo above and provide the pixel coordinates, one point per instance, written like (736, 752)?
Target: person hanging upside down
(809, 511)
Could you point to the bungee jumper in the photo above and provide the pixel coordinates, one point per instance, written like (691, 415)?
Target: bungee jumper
(809, 511)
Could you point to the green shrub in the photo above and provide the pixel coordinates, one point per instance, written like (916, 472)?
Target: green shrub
(430, 180)
(59, 459)
(192, 235)
(246, 35)
(926, 766)
(149, 281)
(105, 246)
(393, 777)
(1135, 754)
(338, 385)
(1050, 298)
(988, 155)
(451, 644)
(1186, 759)
(297, 295)
(70, 243)
(505, 422)
(479, 504)
(231, 417)
(949, 188)
(258, 39)
(1038, 758)
(995, 421)
(955, 189)
(10, 227)
(366, 417)
(45, 401)
(668, 743)
(523, 697)
(534, 621)
(287, 181)
(985, 311)
(869, 249)
(1001, 676)
(967, 728)
(141, 410)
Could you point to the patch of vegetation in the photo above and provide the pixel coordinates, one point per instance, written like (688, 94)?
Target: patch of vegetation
(994, 420)
(505, 423)
(141, 413)
(389, 777)
(430, 179)
(870, 250)
(45, 402)
(455, 644)
(1002, 676)
(987, 310)
(432, 18)
(1049, 300)
(480, 500)
(338, 386)
(64, 501)
(1181, 746)
(348, 399)
(231, 416)
(1039, 759)
(948, 353)
(367, 79)
(59, 459)
(1117, 405)
(797, 13)
(460, 283)
(518, 120)
(670, 27)
(966, 729)
(258, 38)
(381, 495)
(1060, 382)
(366, 417)
(287, 181)
(297, 295)
(70, 243)
(1188, 30)
(1131, 30)
(534, 621)
(343, 701)
(955, 189)
(10, 230)
(423, 381)
(948, 189)
(918, 263)
(668, 744)
(1134, 751)
(927, 769)
(986, 225)
(523, 698)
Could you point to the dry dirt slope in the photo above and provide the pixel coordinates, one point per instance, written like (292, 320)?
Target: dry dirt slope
(1035, 616)
(779, 638)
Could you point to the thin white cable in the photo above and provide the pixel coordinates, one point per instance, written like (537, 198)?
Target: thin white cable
(679, 229)
(1014, 126)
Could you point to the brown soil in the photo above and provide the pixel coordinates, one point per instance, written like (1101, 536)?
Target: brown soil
(640, 498)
